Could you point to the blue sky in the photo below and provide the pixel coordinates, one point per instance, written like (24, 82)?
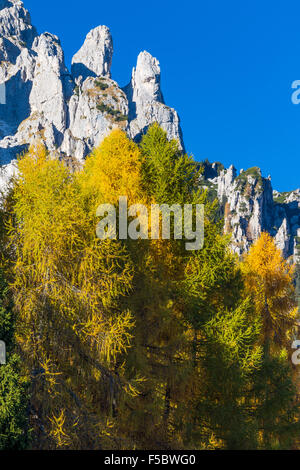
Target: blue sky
(227, 68)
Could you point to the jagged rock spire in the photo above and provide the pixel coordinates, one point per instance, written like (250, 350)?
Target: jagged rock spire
(51, 85)
(15, 22)
(146, 104)
(145, 81)
(95, 56)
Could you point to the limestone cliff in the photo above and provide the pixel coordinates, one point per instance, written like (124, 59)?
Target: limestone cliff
(251, 206)
(70, 111)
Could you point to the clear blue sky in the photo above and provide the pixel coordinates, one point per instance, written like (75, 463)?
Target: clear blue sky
(227, 68)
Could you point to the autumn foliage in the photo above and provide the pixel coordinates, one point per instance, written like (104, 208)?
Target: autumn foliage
(142, 344)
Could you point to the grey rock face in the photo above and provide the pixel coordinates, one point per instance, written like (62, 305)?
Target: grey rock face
(6, 173)
(70, 113)
(95, 56)
(146, 104)
(52, 85)
(96, 107)
(251, 207)
(37, 93)
(16, 71)
(15, 22)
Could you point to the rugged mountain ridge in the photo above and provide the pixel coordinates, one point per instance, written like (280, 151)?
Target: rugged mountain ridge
(251, 206)
(71, 111)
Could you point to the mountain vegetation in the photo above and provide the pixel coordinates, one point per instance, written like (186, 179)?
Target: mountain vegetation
(138, 344)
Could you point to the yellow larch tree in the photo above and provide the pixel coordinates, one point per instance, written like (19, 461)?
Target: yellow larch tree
(69, 289)
(269, 280)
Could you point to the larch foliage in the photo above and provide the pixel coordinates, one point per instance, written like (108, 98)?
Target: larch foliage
(142, 344)
(269, 279)
(69, 289)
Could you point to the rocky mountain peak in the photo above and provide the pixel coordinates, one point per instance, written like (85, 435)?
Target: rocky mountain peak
(94, 58)
(146, 103)
(15, 23)
(70, 112)
(145, 80)
(251, 206)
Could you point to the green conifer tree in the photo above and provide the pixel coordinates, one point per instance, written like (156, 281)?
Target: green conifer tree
(14, 431)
